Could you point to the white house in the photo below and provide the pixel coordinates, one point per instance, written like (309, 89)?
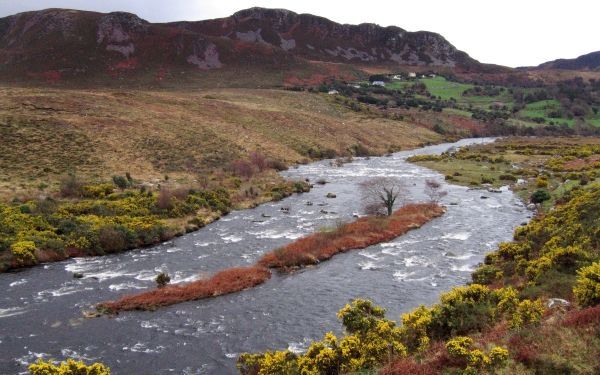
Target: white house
(333, 92)
(378, 83)
(397, 77)
(412, 75)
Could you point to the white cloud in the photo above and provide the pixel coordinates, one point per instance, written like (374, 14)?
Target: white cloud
(509, 32)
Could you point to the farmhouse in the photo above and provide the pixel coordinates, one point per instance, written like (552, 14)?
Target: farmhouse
(333, 92)
(379, 83)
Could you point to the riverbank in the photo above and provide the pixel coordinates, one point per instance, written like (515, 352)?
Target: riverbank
(551, 166)
(540, 287)
(86, 219)
(306, 251)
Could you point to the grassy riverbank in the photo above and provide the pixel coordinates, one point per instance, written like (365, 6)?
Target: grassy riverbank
(95, 219)
(306, 251)
(554, 165)
(542, 287)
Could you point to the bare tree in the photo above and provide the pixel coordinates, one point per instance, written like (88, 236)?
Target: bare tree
(434, 191)
(380, 194)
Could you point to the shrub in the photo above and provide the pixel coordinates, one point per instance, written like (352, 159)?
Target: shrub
(462, 310)
(97, 191)
(112, 238)
(70, 367)
(487, 180)
(527, 313)
(360, 316)
(540, 196)
(459, 348)
(70, 186)
(486, 274)
(541, 182)
(587, 286)
(162, 279)
(121, 182)
(165, 199)
(507, 177)
(23, 251)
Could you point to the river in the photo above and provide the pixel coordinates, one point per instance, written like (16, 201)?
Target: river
(41, 308)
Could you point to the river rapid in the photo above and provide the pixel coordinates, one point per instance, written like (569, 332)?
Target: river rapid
(41, 308)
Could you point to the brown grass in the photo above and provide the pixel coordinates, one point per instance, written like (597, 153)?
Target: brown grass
(404, 366)
(356, 235)
(45, 133)
(227, 281)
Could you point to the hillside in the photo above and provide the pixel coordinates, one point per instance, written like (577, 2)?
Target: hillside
(84, 48)
(590, 61)
(46, 133)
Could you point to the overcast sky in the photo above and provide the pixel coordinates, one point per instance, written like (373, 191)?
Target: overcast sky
(506, 32)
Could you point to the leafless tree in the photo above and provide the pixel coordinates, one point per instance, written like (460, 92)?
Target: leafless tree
(380, 194)
(434, 191)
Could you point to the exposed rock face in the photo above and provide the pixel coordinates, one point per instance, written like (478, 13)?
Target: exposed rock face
(63, 44)
(321, 39)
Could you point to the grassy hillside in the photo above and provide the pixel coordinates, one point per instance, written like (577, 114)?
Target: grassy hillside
(46, 133)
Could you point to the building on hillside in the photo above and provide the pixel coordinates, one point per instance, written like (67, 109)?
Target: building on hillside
(397, 77)
(412, 75)
(378, 83)
(333, 92)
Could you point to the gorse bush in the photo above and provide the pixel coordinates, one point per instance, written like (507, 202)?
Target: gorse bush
(106, 222)
(69, 367)
(23, 251)
(561, 242)
(460, 348)
(370, 340)
(587, 286)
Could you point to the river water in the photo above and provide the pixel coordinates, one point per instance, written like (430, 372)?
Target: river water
(41, 308)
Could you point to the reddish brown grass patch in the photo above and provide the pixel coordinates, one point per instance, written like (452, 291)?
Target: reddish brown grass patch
(405, 366)
(224, 282)
(583, 318)
(357, 235)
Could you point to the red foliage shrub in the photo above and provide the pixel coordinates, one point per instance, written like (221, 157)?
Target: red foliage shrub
(165, 199)
(523, 350)
(357, 235)
(405, 366)
(242, 168)
(259, 161)
(224, 282)
(583, 318)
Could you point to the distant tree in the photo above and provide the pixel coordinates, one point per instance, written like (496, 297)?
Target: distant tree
(434, 191)
(380, 194)
(121, 182)
(162, 279)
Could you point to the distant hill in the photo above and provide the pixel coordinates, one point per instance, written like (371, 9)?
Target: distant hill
(590, 61)
(55, 45)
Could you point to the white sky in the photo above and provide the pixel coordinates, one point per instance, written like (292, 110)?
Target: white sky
(507, 32)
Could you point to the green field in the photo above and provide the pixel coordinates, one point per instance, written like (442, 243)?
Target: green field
(441, 87)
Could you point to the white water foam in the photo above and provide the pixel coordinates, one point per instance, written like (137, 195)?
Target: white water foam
(125, 286)
(18, 282)
(462, 236)
(11, 311)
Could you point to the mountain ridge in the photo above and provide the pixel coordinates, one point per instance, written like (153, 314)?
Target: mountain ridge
(588, 61)
(56, 45)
